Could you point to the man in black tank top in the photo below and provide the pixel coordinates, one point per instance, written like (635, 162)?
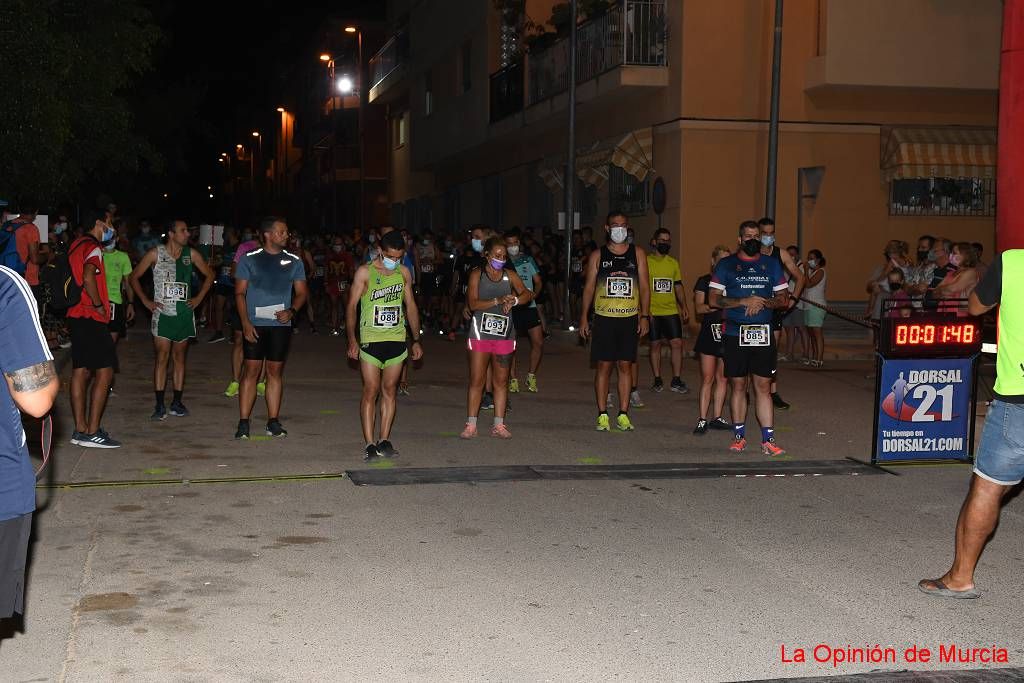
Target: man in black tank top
(769, 248)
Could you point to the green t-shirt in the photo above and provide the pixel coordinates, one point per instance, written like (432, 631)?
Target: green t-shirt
(117, 266)
(381, 313)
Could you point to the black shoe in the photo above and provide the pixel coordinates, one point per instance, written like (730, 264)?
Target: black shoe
(243, 430)
(679, 386)
(217, 337)
(386, 450)
(779, 403)
(371, 453)
(658, 385)
(275, 429)
(487, 402)
(720, 424)
(178, 409)
(701, 428)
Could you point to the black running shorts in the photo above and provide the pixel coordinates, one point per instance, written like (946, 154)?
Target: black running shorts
(614, 339)
(666, 327)
(741, 361)
(91, 345)
(525, 318)
(271, 344)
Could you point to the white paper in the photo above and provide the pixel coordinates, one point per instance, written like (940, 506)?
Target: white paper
(43, 223)
(267, 312)
(218, 235)
(205, 234)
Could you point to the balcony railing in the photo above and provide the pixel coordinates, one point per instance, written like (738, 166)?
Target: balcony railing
(394, 53)
(633, 33)
(507, 91)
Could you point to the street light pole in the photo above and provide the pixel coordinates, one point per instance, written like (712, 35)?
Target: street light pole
(569, 178)
(773, 126)
(362, 134)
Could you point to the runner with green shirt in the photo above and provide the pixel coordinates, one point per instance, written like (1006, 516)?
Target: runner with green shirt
(525, 317)
(668, 301)
(116, 267)
(173, 322)
(382, 289)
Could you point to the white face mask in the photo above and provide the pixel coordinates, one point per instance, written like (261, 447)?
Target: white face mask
(513, 250)
(619, 235)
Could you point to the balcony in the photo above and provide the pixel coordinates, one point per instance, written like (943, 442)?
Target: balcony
(388, 66)
(507, 91)
(633, 34)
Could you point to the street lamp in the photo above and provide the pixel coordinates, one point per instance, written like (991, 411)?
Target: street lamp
(351, 29)
(324, 57)
(280, 110)
(345, 85)
(362, 94)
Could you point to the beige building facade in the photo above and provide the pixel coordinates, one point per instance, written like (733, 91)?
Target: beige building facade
(888, 114)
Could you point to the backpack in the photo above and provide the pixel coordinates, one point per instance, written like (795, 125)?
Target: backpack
(65, 290)
(9, 247)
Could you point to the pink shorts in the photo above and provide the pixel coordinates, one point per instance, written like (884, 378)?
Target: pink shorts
(499, 347)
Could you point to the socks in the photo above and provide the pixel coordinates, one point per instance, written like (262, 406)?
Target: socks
(767, 434)
(739, 431)
(471, 420)
(498, 421)
(177, 396)
(602, 412)
(159, 398)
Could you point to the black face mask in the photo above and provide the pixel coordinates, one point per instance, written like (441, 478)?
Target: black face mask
(751, 247)
(895, 286)
(922, 255)
(664, 248)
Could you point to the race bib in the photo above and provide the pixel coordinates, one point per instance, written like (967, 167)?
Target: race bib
(755, 335)
(577, 266)
(427, 268)
(494, 324)
(716, 331)
(619, 287)
(386, 316)
(662, 285)
(342, 285)
(175, 291)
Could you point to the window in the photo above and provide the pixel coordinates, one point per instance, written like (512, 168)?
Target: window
(585, 199)
(942, 197)
(626, 193)
(428, 93)
(401, 133)
(467, 65)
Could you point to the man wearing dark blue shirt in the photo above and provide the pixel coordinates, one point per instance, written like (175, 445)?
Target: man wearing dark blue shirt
(748, 286)
(30, 386)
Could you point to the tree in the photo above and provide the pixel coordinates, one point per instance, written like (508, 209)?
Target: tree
(65, 67)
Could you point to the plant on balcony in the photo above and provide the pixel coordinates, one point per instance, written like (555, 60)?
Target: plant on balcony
(540, 38)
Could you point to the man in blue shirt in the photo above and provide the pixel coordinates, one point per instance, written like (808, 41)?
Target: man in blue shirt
(270, 286)
(30, 386)
(748, 286)
(525, 318)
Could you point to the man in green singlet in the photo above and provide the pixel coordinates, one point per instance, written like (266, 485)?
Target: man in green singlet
(382, 289)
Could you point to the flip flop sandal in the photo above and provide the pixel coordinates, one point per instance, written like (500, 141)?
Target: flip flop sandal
(941, 591)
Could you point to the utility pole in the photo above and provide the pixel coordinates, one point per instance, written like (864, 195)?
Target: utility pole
(569, 178)
(773, 126)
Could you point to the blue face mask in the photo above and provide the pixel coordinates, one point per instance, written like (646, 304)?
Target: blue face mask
(108, 234)
(478, 245)
(767, 240)
(390, 264)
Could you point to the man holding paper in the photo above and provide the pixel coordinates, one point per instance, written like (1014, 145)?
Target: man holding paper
(270, 286)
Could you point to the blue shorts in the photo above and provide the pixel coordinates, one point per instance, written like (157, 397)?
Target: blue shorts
(1000, 458)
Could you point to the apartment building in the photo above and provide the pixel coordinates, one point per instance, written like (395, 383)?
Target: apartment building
(888, 114)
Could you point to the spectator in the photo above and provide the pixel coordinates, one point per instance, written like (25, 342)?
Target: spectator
(31, 386)
(144, 241)
(793, 319)
(27, 242)
(979, 249)
(899, 306)
(814, 316)
(959, 283)
(896, 258)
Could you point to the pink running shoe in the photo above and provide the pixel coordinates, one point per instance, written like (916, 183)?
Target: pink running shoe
(469, 432)
(501, 432)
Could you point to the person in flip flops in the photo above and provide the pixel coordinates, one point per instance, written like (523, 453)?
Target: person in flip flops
(999, 465)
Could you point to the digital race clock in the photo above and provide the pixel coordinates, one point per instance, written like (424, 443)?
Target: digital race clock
(930, 336)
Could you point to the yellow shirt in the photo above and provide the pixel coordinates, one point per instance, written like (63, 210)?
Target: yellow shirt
(664, 274)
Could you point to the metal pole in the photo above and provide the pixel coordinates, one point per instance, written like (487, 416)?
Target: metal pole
(569, 178)
(773, 127)
(362, 137)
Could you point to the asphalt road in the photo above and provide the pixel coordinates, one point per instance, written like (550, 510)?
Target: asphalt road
(300, 575)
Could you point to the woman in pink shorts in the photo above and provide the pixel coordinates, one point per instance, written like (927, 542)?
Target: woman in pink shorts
(493, 291)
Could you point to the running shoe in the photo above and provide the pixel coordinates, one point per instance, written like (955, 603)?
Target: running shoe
(603, 423)
(634, 399)
(232, 389)
(77, 437)
(501, 432)
(513, 386)
(159, 414)
(98, 440)
(783, 358)
(386, 450)
(487, 402)
(469, 432)
(243, 430)
(217, 337)
(769, 447)
(623, 423)
(738, 445)
(261, 388)
(403, 389)
(679, 386)
(658, 386)
(702, 427)
(275, 429)
(720, 424)
(779, 403)
(372, 453)
(531, 383)
(178, 409)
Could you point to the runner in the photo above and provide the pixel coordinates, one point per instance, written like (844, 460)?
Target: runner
(174, 320)
(248, 244)
(667, 303)
(493, 291)
(617, 285)
(525, 317)
(339, 276)
(382, 291)
(766, 229)
(749, 286)
(713, 384)
(264, 284)
(428, 260)
(116, 268)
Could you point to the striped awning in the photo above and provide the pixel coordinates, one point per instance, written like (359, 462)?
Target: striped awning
(938, 152)
(552, 177)
(635, 153)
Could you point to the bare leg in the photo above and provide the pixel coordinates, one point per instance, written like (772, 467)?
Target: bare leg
(626, 382)
(819, 343)
(499, 370)
(275, 388)
(738, 402)
(978, 518)
(677, 356)
(388, 403)
(368, 404)
(162, 351)
(656, 358)
(763, 398)
(178, 353)
(602, 378)
(79, 386)
(247, 391)
(100, 390)
(536, 348)
(707, 383)
(721, 386)
(236, 357)
(478, 363)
